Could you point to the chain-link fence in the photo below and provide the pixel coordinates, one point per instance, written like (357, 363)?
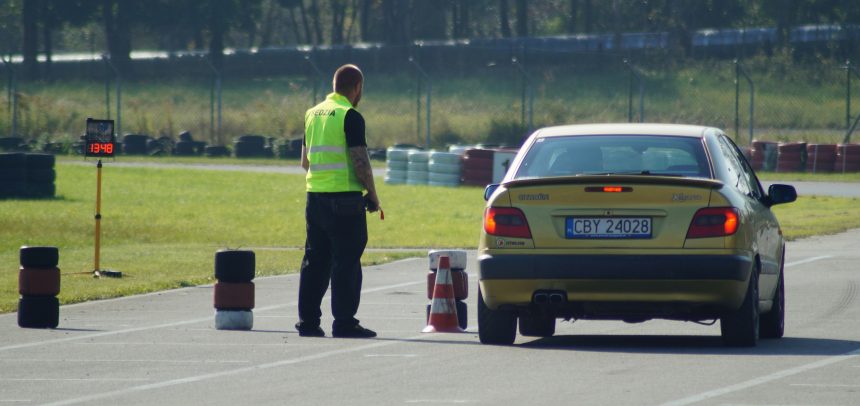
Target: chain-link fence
(481, 93)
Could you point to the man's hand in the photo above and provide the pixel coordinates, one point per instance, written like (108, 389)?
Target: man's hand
(361, 162)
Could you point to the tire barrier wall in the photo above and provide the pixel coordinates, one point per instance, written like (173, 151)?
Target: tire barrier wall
(763, 155)
(38, 285)
(233, 293)
(396, 166)
(27, 176)
(459, 278)
(252, 146)
(444, 169)
(416, 168)
(847, 158)
(791, 157)
(477, 167)
(820, 157)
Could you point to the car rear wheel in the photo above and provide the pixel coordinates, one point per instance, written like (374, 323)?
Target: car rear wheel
(773, 323)
(741, 328)
(495, 326)
(536, 324)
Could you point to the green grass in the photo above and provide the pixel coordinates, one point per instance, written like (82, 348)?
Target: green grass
(161, 227)
(792, 102)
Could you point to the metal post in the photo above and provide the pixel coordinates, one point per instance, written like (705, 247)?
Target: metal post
(12, 96)
(634, 73)
(319, 73)
(118, 95)
(107, 87)
(740, 71)
(215, 95)
(527, 91)
(98, 216)
(427, 107)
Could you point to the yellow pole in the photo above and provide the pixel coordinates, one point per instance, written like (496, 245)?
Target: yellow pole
(98, 213)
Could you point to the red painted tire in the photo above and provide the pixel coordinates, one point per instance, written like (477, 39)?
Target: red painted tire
(234, 296)
(479, 153)
(460, 280)
(792, 147)
(39, 281)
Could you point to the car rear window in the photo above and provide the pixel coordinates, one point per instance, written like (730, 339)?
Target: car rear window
(615, 154)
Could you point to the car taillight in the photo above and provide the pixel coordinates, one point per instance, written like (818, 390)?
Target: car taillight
(506, 222)
(714, 222)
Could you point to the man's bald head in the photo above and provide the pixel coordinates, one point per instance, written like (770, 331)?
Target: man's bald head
(346, 78)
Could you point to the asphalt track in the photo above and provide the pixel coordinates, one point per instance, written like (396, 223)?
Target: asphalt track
(162, 349)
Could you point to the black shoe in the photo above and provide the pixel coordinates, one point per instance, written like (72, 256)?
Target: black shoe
(309, 331)
(355, 331)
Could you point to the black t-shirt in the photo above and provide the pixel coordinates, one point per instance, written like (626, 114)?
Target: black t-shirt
(353, 126)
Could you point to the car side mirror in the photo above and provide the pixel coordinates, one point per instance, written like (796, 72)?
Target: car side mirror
(779, 194)
(489, 190)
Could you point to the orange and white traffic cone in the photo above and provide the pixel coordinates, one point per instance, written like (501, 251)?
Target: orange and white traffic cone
(443, 311)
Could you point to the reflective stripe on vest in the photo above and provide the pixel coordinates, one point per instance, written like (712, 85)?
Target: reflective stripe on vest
(330, 169)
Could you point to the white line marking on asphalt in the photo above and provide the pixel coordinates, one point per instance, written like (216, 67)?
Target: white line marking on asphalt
(391, 355)
(153, 361)
(254, 368)
(825, 385)
(808, 260)
(15, 400)
(453, 401)
(74, 379)
(176, 324)
(764, 379)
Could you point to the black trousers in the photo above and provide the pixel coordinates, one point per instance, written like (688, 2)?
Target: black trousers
(336, 237)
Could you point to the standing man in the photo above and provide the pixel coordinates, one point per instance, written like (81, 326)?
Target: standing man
(334, 155)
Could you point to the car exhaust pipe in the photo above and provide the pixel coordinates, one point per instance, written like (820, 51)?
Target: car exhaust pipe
(557, 298)
(540, 298)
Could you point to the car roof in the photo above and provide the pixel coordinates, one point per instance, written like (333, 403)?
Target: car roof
(681, 130)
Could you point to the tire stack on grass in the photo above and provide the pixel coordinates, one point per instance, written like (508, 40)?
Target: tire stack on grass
(214, 151)
(234, 289)
(417, 173)
(791, 157)
(185, 146)
(459, 279)
(763, 155)
(478, 167)
(40, 176)
(445, 169)
(250, 146)
(134, 144)
(820, 157)
(39, 285)
(848, 158)
(396, 166)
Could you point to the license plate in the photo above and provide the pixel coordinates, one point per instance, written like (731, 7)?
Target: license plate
(607, 227)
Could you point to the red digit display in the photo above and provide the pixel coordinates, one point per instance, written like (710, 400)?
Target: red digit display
(100, 138)
(100, 149)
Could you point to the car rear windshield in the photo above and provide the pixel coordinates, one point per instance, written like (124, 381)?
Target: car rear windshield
(615, 154)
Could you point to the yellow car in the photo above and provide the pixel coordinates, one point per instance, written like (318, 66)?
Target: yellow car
(631, 222)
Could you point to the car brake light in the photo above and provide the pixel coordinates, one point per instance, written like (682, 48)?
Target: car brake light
(506, 222)
(609, 189)
(714, 222)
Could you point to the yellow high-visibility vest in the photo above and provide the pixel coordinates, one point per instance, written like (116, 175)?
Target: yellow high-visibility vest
(330, 168)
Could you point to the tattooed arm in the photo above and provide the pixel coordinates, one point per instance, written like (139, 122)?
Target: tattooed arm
(361, 162)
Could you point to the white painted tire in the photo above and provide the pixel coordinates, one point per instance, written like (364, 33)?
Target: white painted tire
(234, 319)
(417, 166)
(436, 167)
(419, 156)
(456, 257)
(393, 173)
(397, 165)
(458, 149)
(395, 181)
(444, 158)
(393, 154)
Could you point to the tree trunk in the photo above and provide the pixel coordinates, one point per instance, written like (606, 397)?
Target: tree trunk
(30, 16)
(365, 19)
(294, 24)
(522, 18)
(48, 24)
(118, 33)
(352, 19)
(338, 14)
(574, 12)
(587, 16)
(504, 21)
(465, 18)
(315, 19)
(308, 38)
(217, 29)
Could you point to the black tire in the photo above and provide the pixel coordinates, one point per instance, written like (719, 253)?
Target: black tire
(13, 174)
(40, 190)
(12, 159)
(495, 326)
(741, 327)
(134, 144)
(253, 139)
(217, 150)
(462, 314)
(183, 148)
(772, 324)
(535, 324)
(38, 312)
(41, 175)
(13, 190)
(39, 257)
(36, 161)
(235, 266)
(244, 149)
(185, 136)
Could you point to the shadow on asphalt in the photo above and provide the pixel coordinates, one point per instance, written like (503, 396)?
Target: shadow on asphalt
(78, 329)
(692, 345)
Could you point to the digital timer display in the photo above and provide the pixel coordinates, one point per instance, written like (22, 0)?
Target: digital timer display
(100, 138)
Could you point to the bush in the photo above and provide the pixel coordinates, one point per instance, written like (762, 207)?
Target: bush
(506, 131)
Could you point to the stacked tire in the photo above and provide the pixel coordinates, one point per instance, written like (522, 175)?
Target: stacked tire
(791, 157)
(444, 169)
(251, 146)
(820, 157)
(763, 155)
(234, 289)
(459, 278)
(417, 173)
(214, 151)
(135, 144)
(396, 166)
(847, 158)
(477, 167)
(27, 176)
(39, 285)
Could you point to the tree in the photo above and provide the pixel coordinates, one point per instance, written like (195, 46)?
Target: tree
(522, 18)
(30, 22)
(504, 21)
